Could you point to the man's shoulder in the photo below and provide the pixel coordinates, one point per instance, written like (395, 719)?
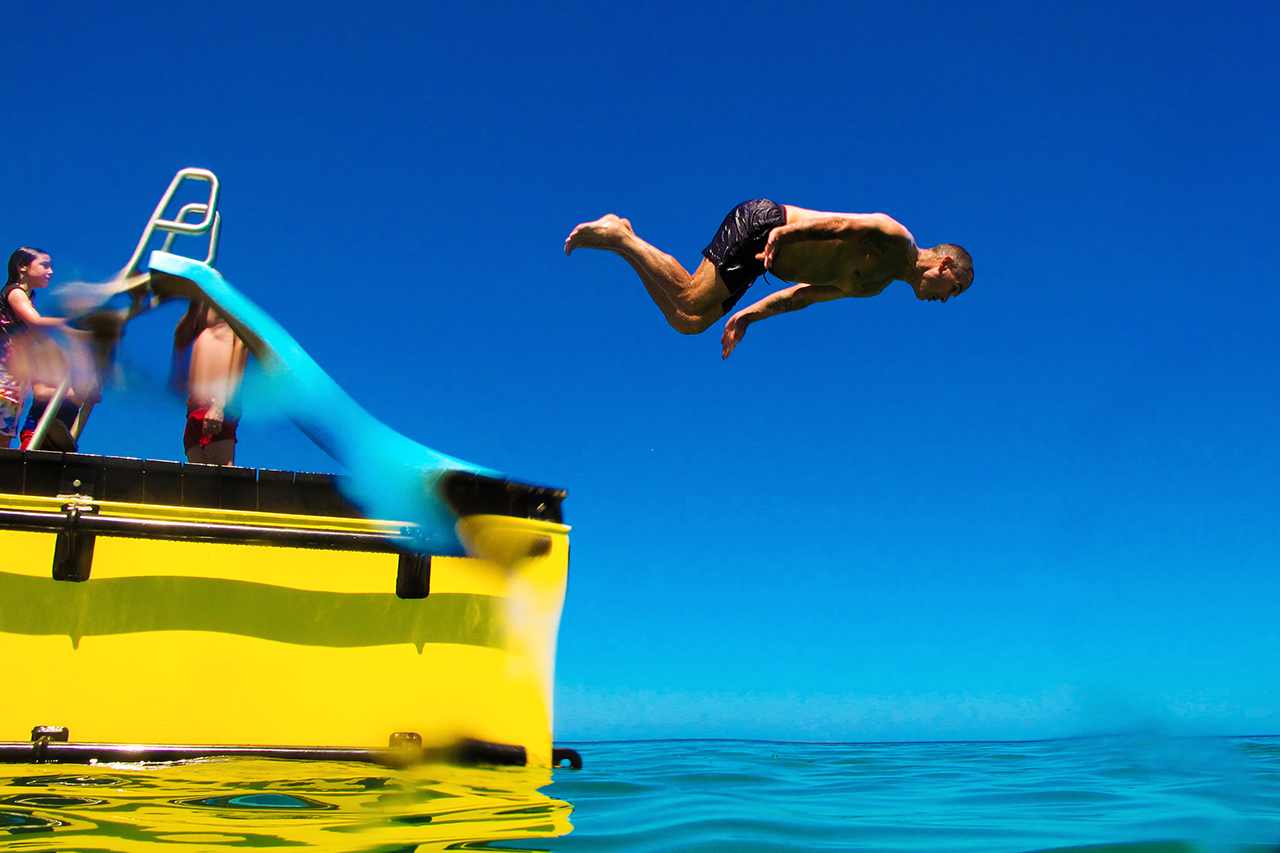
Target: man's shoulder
(887, 234)
(884, 223)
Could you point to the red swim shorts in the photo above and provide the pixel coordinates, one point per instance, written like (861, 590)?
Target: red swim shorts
(194, 433)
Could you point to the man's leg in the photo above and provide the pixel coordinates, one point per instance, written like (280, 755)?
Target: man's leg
(691, 303)
(58, 436)
(221, 452)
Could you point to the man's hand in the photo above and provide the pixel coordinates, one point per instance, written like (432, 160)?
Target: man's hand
(770, 249)
(212, 424)
(733, 332)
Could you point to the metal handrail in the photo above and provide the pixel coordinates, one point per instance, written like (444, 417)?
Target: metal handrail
(214, 232)
(209, 224)
(93, 524)
(77, 426)
(50, 412)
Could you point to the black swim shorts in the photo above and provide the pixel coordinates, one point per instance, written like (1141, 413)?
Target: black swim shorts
(741, 237)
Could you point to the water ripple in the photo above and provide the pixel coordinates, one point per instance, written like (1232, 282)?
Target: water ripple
(1120, 795)
(1115, 795)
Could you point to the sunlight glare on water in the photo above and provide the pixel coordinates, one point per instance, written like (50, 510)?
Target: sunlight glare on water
(222, 804)
(1103, 795)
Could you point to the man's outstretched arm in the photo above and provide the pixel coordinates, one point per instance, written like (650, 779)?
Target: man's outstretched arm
(881, 230)
(791, 299)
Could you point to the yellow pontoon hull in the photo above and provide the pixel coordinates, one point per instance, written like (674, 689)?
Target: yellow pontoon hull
(175, 639)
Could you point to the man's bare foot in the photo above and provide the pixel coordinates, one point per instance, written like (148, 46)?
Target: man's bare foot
(605, 233)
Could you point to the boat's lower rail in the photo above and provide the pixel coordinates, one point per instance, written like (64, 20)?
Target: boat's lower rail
(50, 746)
(86, 519)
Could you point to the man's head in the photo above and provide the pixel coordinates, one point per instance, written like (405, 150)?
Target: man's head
(948, 272)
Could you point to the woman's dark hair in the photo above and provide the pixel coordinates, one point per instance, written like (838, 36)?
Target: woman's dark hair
(19, 259)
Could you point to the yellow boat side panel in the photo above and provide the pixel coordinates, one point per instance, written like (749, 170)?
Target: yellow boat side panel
(189, 642)
(336, 571)
(25, 553)
(186, 687)
(327, 571)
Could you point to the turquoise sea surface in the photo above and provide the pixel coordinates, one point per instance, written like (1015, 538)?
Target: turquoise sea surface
(1117, 794)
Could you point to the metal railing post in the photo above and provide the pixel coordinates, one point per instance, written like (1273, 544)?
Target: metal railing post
(50, 411)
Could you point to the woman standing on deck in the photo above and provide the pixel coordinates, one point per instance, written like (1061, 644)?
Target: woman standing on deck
(30, 358)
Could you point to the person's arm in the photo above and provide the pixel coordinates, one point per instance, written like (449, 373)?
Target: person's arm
(791, 299)
(27, 313)
(881, 231)
(190, 326)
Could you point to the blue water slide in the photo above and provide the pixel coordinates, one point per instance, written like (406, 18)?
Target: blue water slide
(392, 476)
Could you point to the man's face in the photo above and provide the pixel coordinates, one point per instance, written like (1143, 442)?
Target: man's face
(939, 283)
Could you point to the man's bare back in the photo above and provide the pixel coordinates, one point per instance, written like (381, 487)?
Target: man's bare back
(826, 256)
(858, 253)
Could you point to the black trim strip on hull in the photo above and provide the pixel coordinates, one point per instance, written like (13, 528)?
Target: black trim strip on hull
(468, 753)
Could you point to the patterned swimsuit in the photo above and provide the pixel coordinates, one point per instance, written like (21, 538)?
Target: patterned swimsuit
(13, 392)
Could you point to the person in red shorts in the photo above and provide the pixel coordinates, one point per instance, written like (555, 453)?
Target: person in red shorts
(218, 360)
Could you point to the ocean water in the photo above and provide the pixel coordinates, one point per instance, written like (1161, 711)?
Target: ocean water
(1135, 794)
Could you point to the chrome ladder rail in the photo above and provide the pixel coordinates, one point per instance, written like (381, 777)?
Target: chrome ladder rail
(210, 224)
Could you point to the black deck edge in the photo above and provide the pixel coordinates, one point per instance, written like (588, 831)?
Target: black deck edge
(43, 473)
(472, 494)
(466, 753)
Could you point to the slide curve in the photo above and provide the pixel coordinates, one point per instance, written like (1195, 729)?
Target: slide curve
(392, 476)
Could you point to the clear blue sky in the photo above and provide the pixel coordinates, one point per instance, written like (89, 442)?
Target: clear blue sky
(1048, 507)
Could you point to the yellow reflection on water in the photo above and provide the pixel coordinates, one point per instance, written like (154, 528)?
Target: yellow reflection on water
(222, 804)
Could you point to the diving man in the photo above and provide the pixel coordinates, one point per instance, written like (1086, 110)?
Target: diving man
(825, 256)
